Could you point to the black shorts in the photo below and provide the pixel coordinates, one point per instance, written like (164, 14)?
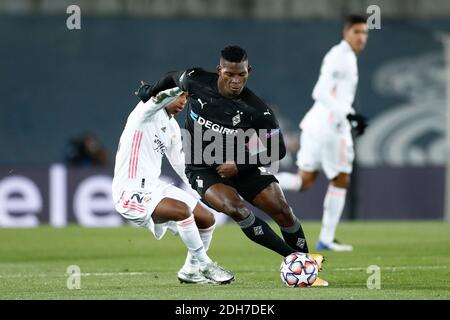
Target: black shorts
(248, 183)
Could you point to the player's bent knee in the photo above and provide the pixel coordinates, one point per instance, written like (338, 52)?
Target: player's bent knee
(236, 210)
(308, 179)
(211, 220)
(307, 184)
(207, 224)
(341, 181)
(284, 215)
(203, 217)
(181, 211)
(281, 208)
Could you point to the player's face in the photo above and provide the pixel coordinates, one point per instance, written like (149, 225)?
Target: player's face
(177, 105)
(232, 77)
(356, 36)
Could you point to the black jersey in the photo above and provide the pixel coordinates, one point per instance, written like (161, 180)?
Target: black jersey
(228, 117)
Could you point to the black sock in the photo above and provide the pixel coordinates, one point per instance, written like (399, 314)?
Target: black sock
(295, 237)
(259, 231)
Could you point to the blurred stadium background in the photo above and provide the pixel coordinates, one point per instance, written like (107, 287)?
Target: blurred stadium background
(58, 84)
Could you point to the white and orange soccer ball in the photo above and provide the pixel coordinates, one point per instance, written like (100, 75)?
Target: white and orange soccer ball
(298, 270)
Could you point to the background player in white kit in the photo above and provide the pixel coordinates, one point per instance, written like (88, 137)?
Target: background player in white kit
(326, 142)
(141, 197)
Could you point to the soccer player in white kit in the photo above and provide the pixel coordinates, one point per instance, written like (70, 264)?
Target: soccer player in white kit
(326, 142)
(141, 197)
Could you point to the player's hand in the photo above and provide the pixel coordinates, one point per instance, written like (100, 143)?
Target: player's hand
(227, 170)
(358, 123)
(144, 91)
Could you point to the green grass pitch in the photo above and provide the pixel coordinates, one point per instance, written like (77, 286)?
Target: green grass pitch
(128, 263)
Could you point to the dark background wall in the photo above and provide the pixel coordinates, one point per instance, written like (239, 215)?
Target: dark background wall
(56, 84)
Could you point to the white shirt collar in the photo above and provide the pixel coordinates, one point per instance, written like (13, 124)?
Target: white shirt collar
(347, 47)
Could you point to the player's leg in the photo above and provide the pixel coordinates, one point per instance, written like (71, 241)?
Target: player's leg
(205, 222)
(174, 210)
(220, 194)
(308, 162)
(301, 181)
(290, 181)
(226, 199)
(333, 206)
(271, 200)
(262, 190)
(337, 162)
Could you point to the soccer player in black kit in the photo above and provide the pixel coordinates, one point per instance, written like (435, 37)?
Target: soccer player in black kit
(221, 102)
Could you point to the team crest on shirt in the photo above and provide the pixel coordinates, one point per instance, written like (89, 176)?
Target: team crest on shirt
(147, 197)
(237, 118)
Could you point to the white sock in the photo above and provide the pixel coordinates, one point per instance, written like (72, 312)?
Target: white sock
(189, 234)
(206, 236)
(333, 206)
(289, 181)
(191, 264)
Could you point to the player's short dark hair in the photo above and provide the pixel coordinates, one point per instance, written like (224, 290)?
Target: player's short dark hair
(352, 19)
(234, 54)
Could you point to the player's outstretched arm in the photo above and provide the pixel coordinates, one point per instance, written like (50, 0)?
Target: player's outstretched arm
(181, 79)
(159, 101)
(169, 80)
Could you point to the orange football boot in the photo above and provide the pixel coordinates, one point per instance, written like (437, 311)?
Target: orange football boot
(320, 283)
(320, 259)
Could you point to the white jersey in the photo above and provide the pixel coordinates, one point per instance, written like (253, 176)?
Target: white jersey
(334, 92)
(149, 134)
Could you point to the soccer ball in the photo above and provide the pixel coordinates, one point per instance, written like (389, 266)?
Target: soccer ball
(298, 270)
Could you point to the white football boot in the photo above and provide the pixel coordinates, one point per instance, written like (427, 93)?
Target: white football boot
(216, 273)
(333, 246)
(192, 276)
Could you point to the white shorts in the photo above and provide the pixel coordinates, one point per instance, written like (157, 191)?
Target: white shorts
(328, 151)
(137, 206)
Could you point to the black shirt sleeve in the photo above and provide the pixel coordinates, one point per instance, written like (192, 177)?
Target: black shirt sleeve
(169, 80)
(181, 79)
